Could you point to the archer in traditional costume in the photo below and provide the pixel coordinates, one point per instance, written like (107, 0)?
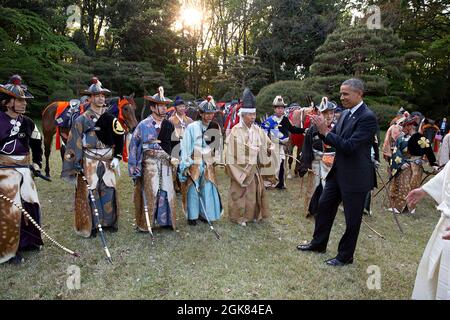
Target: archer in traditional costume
(197, 172)
(316, 159)
(94, 148)
(150, 165)
(18, 134)
(278, 128)
(407, 165)
(247, 147)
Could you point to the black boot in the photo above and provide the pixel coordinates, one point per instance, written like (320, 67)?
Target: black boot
(192, 222)
(17, 259)
(93, 233)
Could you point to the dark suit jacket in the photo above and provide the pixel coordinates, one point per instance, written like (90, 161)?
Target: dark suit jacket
(352, 164)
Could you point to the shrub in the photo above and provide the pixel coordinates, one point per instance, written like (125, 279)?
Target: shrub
(384, 112)
(291, 91)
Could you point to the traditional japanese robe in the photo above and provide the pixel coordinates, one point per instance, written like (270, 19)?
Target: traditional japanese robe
(17, 136)
(149, 163)
(85, 147)
(197, 160)
(246, 149)
(316, 161)
(433, 274)
(408, 150)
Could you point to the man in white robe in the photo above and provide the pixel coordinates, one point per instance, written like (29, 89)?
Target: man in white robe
(433, 274)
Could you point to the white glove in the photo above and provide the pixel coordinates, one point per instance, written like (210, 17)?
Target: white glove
(115, 163)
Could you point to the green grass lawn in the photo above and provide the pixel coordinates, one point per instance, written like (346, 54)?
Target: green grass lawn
(259, 261)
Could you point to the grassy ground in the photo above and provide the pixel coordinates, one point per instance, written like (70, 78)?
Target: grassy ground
(259, 261)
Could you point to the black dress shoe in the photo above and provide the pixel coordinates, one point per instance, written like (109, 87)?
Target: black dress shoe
(337, 263)
(192, 222)
(310, 247)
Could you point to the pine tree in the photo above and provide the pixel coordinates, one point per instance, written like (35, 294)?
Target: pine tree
(372, 55)
(29, 47)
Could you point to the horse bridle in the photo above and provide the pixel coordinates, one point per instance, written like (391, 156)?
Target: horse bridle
(119, 108)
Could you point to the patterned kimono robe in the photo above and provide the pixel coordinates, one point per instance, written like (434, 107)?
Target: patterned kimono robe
(433, 275)
(17, 136)
(197, 161)
(407, 167)
(84, 147)
(246, 149)
(150, 166)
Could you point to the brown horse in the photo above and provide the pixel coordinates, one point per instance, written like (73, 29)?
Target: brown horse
(124, 108)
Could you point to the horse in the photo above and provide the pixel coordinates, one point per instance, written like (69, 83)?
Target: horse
(124, 108)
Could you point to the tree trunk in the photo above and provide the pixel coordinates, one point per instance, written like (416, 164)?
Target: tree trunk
(244, 30)
(91, 10)
(224, 47)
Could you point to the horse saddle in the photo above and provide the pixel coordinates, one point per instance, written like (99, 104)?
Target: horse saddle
(66, 113)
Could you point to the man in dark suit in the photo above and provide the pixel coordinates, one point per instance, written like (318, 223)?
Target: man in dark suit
(352, 175)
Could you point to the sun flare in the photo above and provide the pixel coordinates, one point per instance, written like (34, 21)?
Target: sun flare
(191, 17)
